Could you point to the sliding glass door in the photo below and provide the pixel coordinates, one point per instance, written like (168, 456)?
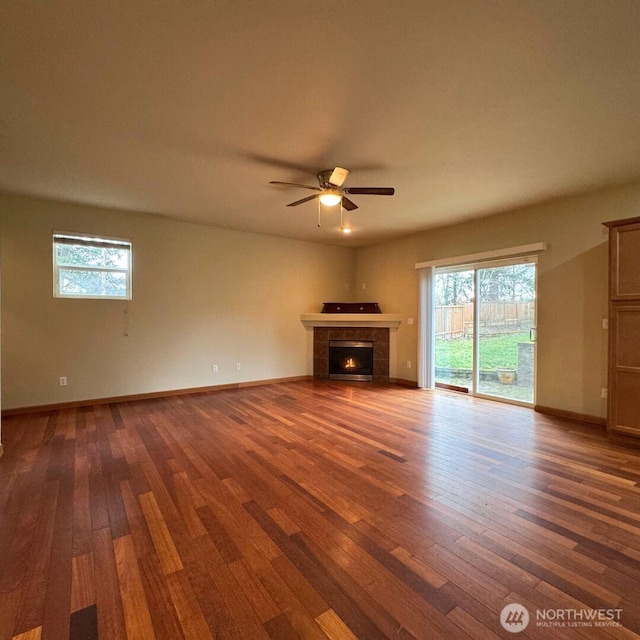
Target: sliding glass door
(506, 326)
(453, 325)
(484, 329)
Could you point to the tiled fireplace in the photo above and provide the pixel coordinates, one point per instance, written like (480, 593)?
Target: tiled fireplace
(323, 336)
(379, 329)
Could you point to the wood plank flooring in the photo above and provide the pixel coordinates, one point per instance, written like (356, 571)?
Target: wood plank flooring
(314, 510)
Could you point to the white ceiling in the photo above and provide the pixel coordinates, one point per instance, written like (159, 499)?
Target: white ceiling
(188, 108)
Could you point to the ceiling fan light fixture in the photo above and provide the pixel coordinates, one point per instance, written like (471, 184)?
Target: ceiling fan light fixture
(330, 198)
(331, 193)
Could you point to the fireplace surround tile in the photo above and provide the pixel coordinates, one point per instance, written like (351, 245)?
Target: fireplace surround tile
(318, 326)
(379, 337)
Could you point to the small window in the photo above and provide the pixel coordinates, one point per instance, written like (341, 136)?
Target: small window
(87, 266)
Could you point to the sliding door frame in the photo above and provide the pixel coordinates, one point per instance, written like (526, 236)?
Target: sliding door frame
(426, 330)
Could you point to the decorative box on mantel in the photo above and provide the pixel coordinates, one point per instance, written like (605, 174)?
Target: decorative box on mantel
(350, 307)
(381, 328)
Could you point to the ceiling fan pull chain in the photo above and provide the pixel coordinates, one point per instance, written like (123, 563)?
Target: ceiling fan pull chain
(341, 216)
(319, 208)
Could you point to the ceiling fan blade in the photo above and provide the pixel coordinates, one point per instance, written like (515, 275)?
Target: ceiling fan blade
(297, 202)
(348, 204)
(371, 191)
(338, 176)
(295, 184)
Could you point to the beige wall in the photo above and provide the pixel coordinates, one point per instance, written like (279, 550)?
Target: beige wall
(201, 296)
(206, 296)
(572, 286)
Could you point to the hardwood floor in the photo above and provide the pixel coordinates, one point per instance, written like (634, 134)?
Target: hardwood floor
(314, 510)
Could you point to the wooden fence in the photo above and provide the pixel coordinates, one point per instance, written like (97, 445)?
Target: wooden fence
(456, 320)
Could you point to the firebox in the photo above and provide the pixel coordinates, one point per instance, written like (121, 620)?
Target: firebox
(350, 360)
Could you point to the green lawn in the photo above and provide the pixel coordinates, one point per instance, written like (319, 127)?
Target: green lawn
(497, 351)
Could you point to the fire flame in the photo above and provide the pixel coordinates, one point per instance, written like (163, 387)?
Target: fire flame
(350, 364)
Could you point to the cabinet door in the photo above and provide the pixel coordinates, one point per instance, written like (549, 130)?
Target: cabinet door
(625, 262)
(624, 369)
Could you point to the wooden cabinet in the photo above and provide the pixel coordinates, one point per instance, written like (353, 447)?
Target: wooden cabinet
(624, 327)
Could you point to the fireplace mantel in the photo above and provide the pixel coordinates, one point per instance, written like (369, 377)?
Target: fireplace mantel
(389, 321)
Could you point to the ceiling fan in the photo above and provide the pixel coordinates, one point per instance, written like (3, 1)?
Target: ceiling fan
(331, 192)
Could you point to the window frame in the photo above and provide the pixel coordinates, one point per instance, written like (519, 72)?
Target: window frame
(95, 240)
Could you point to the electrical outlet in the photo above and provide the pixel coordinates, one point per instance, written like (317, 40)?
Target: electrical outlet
(214, 368)
(364, 285)
(605, 323)
(63, 381)
(409, 320)
(408, 364)
(604, 393)
(238, 366)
